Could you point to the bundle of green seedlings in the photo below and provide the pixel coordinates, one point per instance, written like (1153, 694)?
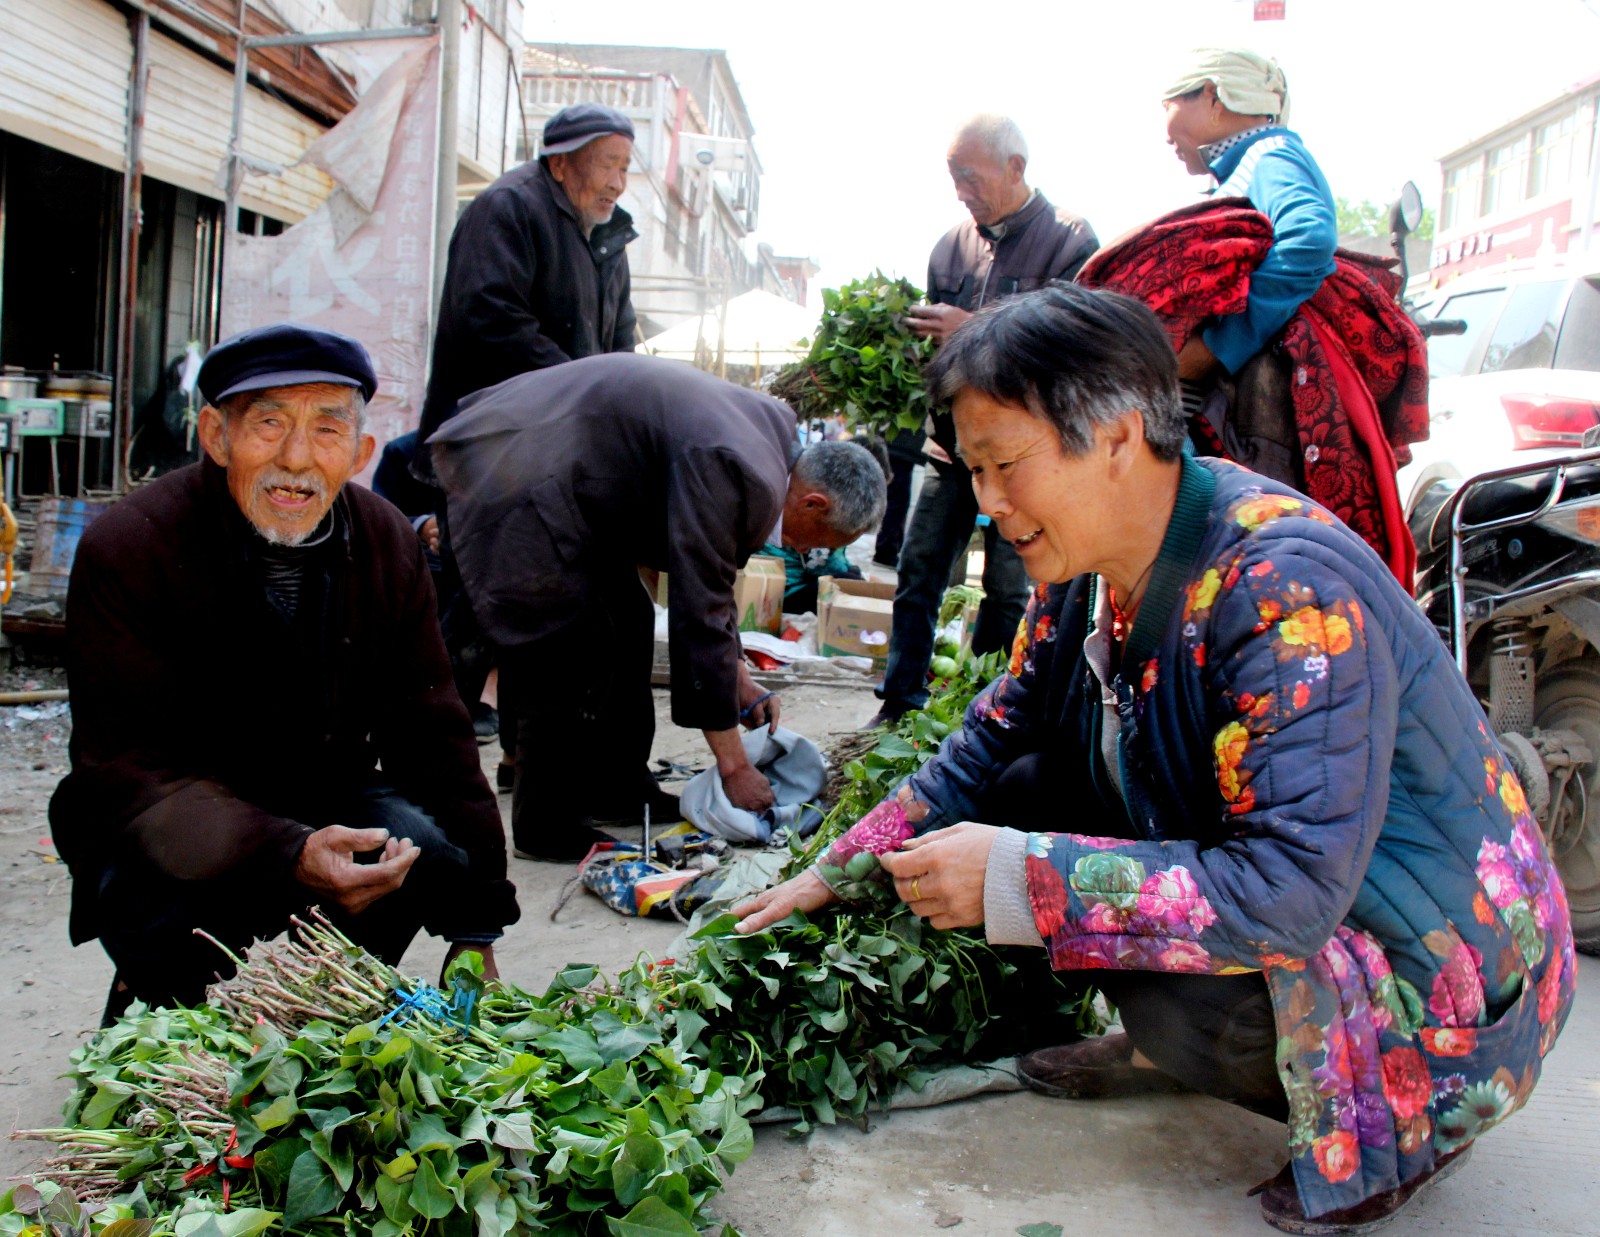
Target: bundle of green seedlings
(865, 363)
(324, 1094)
(831, 1015)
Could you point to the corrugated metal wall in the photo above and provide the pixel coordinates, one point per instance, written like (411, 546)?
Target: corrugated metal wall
(188, 116)
(64, 68)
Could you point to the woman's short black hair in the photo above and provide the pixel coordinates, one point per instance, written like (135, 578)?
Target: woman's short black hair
(1073, 356)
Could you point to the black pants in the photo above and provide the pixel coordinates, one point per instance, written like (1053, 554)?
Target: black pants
(892, 531)
(585, 716)
(148, 918)
(1214, 1033)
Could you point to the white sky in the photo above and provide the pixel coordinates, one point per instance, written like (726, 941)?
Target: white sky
(854, 103)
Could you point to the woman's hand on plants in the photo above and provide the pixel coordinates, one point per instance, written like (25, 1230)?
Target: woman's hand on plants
(805, 892)
(940, 875)
(491, 968)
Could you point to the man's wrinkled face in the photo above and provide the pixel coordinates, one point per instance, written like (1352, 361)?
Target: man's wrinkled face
(288, 452)
(594, 177)
(988, 188)
(1193, 121)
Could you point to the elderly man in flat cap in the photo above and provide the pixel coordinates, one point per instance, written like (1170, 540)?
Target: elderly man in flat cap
(263, 716)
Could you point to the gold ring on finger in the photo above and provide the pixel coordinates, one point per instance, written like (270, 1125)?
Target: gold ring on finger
(916, 888)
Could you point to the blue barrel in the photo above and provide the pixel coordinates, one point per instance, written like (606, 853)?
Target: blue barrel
(55, 541)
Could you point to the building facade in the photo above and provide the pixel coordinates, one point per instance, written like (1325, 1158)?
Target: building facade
(1527, 189)
(694, 190)
(115, 136)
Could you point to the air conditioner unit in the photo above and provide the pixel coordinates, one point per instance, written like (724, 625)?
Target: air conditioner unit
(717, 154)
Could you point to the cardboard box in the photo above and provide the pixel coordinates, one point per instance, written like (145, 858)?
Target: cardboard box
(854, 618)
(757, 593)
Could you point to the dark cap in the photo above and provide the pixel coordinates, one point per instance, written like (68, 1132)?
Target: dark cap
(284, 355)
(579, 125)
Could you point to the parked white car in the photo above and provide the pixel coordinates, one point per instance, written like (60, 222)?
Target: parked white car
(1523, 377)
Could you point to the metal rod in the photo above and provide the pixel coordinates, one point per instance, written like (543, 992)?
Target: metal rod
(241, 75)
(33, 697)
(132, 218)
(444, 222)
(337, 36)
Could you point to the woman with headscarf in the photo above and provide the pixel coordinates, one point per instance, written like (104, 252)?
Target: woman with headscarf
(1244, 785)
(1227, 117)
(1294, 358)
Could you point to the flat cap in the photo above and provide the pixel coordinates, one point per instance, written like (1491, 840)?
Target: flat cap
(579, 125)
(285, 354)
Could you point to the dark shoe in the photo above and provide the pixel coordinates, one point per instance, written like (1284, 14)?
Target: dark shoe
(1280, 1201)
(485, 723)
(1092, 1069)
(505, 778)
(885, 716)
(568, 847)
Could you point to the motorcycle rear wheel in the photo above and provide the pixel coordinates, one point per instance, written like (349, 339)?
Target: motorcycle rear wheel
(1568, 698)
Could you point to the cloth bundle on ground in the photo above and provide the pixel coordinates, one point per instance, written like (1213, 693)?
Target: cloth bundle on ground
(682, 870)
(1357, 365)
(794, 766)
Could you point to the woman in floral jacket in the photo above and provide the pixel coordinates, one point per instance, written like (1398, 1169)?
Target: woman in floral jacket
(1250, 787)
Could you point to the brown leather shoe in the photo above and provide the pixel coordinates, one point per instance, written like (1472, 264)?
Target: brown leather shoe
(1092, 1069)
(1280, 1202)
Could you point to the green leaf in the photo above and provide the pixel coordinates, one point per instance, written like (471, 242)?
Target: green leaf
(639, 1162)
(397, 1046)
(403, 1165)
(1040, 1230)
(245, 1222)
(651, 1218)
(576, 1046)
(312, 1190)
(128, 1228)
(428, 1194)
(102, 1106)
(280, 1112)
(395, 1199)
(428, 1133)
(516, 1130)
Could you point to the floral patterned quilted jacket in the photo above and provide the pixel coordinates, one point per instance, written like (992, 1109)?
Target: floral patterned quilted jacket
(1317, 796)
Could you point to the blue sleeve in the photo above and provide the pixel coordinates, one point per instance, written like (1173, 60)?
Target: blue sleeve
(1289, 189)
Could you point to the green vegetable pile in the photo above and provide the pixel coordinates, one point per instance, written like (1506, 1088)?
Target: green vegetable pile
(494, 1112)
(828, 1017)
(321, 1093)
(865, 362)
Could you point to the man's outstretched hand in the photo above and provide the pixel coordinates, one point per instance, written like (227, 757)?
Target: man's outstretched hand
(329, 869)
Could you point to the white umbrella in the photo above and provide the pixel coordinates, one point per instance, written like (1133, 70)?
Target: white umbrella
(758, 329)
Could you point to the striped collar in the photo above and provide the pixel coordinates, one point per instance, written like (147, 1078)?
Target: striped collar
(1213, 153)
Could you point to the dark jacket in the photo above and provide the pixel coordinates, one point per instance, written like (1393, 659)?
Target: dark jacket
(207, 728)
(560, 478)
(973, 266)
(524, 290)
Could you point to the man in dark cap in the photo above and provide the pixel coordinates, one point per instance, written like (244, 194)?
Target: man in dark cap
(248, 639)
(537, 274)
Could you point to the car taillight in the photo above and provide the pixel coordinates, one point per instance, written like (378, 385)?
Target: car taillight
(1548, 421)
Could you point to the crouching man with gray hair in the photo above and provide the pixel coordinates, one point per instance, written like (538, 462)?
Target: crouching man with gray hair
(560, 485)
(250, 640)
